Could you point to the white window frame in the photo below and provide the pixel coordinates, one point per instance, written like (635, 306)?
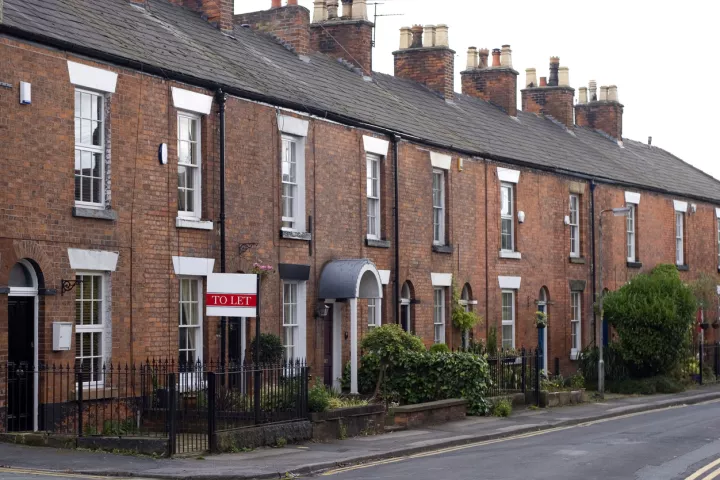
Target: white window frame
(297, 220)
(92, 149)
(299, 326)
(679, 238)
(575, 321)
(373, 313)
(201, 320)
(439, 209)
(631, 227)
(93, 328)
(508, 216)
(510, 322)
(196, 213)
(574, 225)
(373, 201)
(439, 314)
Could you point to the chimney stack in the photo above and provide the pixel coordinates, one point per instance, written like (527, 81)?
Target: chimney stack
(428, 59)
(496, 84)
(290, 23)
(320, 11)
(604, 113)
(348, 37)
(553, 96)
(218, 12)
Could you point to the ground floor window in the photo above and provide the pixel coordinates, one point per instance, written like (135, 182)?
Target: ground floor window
(89, 326)
(190, 322)
(373, 313)
(294, 324)
(508, 319)
(439, 315)
(576, 315)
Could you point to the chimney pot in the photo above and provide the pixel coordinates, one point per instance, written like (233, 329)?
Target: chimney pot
(359, 9)
(405, 38)
(496, 57)
(417, 36)
(275, 4)
(442, 38)
(554, 66)
(530, 77)
(543, 81)
(603, 94)
(429, 39)
(347, 9)
(320, 12)
(332, 8)
(649, 140)
(583, 98)
(484, 53)
(292, 2)
(506, 56)
(564, 76)
(592, 91)
(613, 93)
(472, 58)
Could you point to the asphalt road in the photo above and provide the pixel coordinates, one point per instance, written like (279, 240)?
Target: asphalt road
(665, 444)
(22, 474)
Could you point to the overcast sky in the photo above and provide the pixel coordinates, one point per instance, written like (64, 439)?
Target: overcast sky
(661, 54)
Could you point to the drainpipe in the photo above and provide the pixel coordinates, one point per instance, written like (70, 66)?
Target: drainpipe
(396, 294)
(592, 242)
(223, 320)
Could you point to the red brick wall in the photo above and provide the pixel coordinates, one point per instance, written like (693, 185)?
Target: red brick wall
(289, 24)
(604, 116)
(554, 101)
(497, 85)
(434, 67)
(350, 40)
(218, 12)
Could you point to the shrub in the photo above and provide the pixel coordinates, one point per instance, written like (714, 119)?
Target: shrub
(653, 315)
(668, 385)
(502, 408)
(646, 386)
(615, 368)
(367, 374)
(439, 348)
(577, 381)
(463, 319)
(318, 398)
(492, 348)
(271, 348)
(390, 343)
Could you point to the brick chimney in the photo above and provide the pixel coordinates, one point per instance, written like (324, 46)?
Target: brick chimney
(604, 113)
(496, 84)
(289, 24)
(346, 34)
(218, 12)
(429, 61)
(554, 98)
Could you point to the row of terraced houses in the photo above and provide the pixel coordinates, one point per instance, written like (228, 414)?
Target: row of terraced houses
(125, 126)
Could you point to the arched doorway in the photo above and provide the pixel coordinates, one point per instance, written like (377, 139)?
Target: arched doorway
(542, 306)
(405, 303)
(22, 348)
(466, 301)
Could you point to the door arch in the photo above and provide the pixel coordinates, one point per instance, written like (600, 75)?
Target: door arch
(406, 298)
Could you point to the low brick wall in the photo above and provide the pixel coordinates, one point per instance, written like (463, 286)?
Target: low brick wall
(348, 422)
(560, 399)
(263, 436)
(441, 411)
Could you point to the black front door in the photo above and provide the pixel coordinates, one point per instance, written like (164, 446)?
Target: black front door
(328, 348)
(21, 335)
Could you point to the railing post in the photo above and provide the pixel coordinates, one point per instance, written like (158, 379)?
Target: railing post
(537, 378)
(717, 359)
(524, 369)
(256, 394)
(701, 363)
(171, 413)
(212, 397)
(79, 380)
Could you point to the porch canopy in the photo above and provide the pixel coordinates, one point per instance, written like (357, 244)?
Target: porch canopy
(349, 280)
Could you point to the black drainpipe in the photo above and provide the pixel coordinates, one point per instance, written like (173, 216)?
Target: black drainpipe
(592, 236)
(396, 294)
(223, 320)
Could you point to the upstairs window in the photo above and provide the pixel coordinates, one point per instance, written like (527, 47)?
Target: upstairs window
(630, 228)
(373, 196)
(679, 238)
(574, 226)
(89, 148)
(507, 228)
(438, 195)
(189, 165)
(289, 183)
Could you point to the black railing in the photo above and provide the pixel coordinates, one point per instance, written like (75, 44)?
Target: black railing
(515, 371)
(704, 363)
(185, 403)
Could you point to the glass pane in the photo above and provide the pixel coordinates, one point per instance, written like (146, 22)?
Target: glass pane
(183, 128)
(86, 131)
(184, 152)
(85, 105)
(20, 276)
(190, 197)
(192, 130)
(505, 201)
(77, 130)
(507, 336)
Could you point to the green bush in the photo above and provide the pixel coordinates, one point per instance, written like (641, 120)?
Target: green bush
(318, 398)
(668, 385)
(615, 368)
(271, 349)
(577, 381)
(502, 408)
(646, 386)
(390, 343)
(653, 315)
(439, 348)
(463, 319)
(367, 374)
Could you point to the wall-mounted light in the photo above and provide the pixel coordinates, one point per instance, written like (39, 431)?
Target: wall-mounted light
(567, 220)
(322, 310)
(460, 164)
(163, 154)
(25, 93)
(521, 216)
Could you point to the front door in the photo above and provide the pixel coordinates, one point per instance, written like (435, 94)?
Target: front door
(405, 317)
(328, 348)
(21, 352)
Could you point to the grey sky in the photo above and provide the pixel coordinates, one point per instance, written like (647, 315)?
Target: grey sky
(660, 54)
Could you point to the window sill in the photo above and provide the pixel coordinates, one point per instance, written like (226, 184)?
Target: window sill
(634, 264)
(377, 243)
(578, 260)
(197, 224)
(293, 235)
(96, 213)
(97, 392)
(442, 249)
(683, 268)
(574, 354)
(513, 255)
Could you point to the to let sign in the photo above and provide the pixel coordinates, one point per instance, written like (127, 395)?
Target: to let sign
(231, 295)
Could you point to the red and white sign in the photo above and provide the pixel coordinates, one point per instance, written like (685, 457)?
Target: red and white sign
(231, 295)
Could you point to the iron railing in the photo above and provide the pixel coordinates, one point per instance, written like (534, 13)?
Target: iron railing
(516, 371)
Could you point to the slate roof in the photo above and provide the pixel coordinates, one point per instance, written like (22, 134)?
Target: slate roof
(178, 40)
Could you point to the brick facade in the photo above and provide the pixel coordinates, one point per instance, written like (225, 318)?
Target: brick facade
(289, 25)
(605, 116)
(497, 85)
(554, 101)
(350, 40)
(434, 67)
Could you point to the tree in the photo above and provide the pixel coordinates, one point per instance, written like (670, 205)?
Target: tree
(271, 348)
(653, 315)
(390, 344)
(705, 291)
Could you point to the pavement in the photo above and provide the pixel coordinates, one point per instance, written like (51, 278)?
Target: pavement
(312, 458)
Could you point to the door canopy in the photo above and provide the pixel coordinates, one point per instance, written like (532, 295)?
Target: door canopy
(343, 279)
